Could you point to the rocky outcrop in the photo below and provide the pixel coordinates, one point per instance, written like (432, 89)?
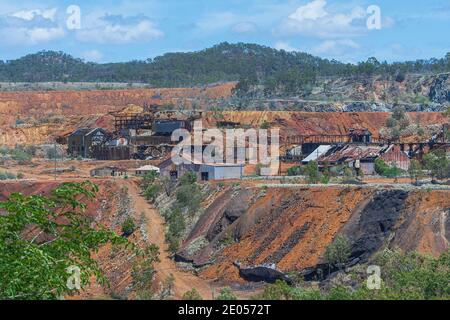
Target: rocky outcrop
(262, 273)
(440, 89)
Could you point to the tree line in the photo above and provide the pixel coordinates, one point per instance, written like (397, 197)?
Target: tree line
(277, 71)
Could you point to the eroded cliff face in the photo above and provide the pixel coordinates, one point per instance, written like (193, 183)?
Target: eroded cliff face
(292, 227)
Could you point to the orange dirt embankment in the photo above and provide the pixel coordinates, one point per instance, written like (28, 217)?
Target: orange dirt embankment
(292, 227)
(289, 227)
(310, 123)
(14, 105)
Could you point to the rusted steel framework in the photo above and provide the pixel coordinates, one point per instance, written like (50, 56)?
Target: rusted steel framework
(133, 121)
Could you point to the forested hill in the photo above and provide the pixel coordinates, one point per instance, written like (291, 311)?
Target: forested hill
(249, 63)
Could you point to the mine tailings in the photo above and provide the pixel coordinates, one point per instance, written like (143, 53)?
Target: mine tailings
(251, 232)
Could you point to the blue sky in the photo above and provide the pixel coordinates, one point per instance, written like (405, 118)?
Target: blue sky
(123, 30)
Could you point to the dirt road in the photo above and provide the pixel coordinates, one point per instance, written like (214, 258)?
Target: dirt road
(184, 281)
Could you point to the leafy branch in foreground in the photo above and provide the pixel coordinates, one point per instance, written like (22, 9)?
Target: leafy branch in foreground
(42, 236)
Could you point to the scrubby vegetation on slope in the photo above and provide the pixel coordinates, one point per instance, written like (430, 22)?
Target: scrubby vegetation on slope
(404, 276)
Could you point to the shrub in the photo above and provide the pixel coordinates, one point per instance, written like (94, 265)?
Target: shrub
(152, 192)
(338, 252)
(406, 276)
(265, 125)
(177, 227)
(128, 227)
(189, 196)
(188, 179)
(325, 179)
(384, 170)
(143, 272)
(438, 164)
(7, 176)
(148, 179)
(312, 172)
(295, 171)
(415, 170)
(226, 295)
(192, 295)
(20, 156)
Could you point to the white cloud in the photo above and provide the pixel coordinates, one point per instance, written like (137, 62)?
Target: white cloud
(29, 15)
(93, 55)
(121, 31)
(30, 27)
(30, 36)
(311, 11)
(314, 20)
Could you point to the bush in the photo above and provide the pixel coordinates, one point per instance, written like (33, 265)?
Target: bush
(7, 176)
(312, 172)
(295, 171)
(143, 272)
(128, 227)
(265, 125)
(338, 252)
(405, 276)
(20, 156)
(189, 196)
(438, 164)
(148, 179)
(152, 192)
(415, 170)
(177, 227)
(384, 170)
(192, 295)
(188, 179)
(325, 179)
(226, 295)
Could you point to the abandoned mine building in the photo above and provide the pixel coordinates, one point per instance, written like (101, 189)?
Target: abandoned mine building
(81, 142)
(142, 171)
(109, 172)
(360, 157)
(204, 172)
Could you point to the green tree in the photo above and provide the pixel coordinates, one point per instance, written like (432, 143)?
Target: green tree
(152, 192)
(42, 237)
(438, 164)
(148, 179)
(312, 172)
(338, 252)
(415, 170)
(177, 227)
